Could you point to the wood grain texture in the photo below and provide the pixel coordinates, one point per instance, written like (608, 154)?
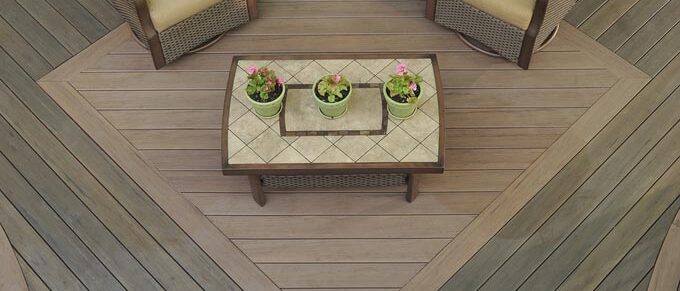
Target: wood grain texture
(667, 268)
(340, 275)
(10, 271)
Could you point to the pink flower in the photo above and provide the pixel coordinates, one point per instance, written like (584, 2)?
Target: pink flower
(401, 69)
(269, 82)
(413, 86)
(252, 70)
(338, 78)
(279, 80)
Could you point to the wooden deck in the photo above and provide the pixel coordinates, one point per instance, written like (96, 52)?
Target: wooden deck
(558, 176)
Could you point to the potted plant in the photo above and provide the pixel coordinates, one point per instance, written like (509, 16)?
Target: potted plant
(332, 94)
(265, 91)
(402, 93)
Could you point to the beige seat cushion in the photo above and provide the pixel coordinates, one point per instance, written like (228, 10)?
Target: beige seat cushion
(515, 12)
(166, 13)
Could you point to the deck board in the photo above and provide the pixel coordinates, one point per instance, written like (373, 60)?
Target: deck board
(502, 120)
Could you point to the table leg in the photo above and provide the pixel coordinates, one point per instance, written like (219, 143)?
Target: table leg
(411, 188)
(256, 189)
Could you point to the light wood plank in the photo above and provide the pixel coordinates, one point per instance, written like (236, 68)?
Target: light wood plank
(342, 203)
(326, 227)
(512, 117)
(158, 80)
(341, 9)
(342, 250)
(190, 99)
(528, 79)
(340, 26)
(340, 275)
(667, 268)
(476, 98)
(10, 271)
(518, 137)
(173, 139)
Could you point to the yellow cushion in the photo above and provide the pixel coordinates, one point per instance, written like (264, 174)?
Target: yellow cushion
(515, 12)
(166, 13)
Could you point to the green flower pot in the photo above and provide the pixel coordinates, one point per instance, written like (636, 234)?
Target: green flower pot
(268, 109)
(332, 110)
(400, 110)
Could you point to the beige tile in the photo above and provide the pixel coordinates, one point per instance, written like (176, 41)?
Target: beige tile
(431, 108)
(240, 77)
(420, 155)
(245, 156)
(248, 127)
(432, 142)
(428, 76)
(280, 72)
(270, 121)
(333, 138)
(293, 66)
(334, 66)
(387, 71)
(245, 64)
(289, 156)
(234, 144)
(240, 94)
(356, 73)
(355, 146)
(311, 73)
(268, 145)
(236, 110)
(311, 146)
(376, 138)
(289, 139)
(428, 93)
(398, 143)
(375, 65)
(419, 126)
(377, 155)
(333, 155)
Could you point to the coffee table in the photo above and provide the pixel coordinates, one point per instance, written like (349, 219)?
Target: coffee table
(300, 148)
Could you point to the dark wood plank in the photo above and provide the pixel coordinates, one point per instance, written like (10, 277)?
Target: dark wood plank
(583, 11)
(76, 214)
(591, 212)
(630, 22)
(22, 52)
(627, 233)
(56, 24)
(79, 17)
(604, 17)
(663, 52)
(35, 251)
(520, 137)
(175, 241)
(645, 38)
(39, 38)
(103, 11)
(85, 265)
(576, 172)
(32, 280)
(639, 261)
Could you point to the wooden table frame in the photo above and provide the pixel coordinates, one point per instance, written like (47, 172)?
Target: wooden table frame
(256, 171)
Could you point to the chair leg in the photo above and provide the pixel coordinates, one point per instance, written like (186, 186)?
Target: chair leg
(411, 187)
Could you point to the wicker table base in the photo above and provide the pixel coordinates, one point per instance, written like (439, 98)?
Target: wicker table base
(258, 183)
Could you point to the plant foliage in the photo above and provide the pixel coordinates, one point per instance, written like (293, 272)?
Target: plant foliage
(332, 86)
(402, 86)
(262, 83)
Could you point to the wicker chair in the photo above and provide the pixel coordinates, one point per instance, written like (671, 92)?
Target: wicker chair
(171, 28)
(514, 29)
